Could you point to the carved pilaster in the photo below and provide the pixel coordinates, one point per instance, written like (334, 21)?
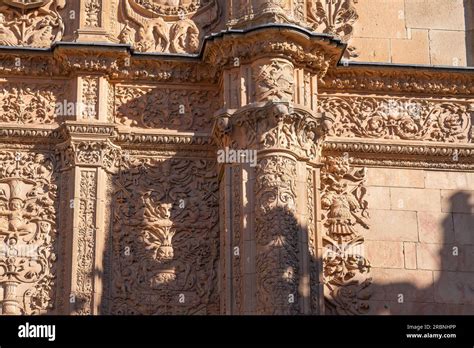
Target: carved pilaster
(86, 157)
(95, 19)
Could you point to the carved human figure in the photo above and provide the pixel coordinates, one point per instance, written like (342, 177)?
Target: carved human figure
(341, 203)
(17, 224)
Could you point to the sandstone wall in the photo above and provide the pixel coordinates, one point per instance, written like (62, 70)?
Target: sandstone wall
(436, 32)
(421, 241)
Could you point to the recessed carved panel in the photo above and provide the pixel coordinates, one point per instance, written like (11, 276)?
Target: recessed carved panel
(165, 237)
(27, 232)
(31, 103)
(168, 108)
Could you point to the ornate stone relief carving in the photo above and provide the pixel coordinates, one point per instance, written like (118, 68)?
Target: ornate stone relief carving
(275, 126)
(93, 13)
(31, 23)
(30, 103)
(165, 237)
(316, 55)
(398, 118)
(335, 17)
(86, 239)
(99, 153)
(274, 81)
(419, 81)
(312, 242)
(277, 234)
(166, 108)
(344, 213)
(27, 232)
(90, 92)
(167, 26)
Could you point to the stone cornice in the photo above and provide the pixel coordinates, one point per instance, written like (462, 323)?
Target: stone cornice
(400, 79)
(316, 52)
(320, 52)
(403, 154)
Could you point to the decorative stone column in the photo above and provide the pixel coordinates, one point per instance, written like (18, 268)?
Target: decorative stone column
(269, 136)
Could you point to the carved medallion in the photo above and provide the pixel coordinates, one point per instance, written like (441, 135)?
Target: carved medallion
(35, 23)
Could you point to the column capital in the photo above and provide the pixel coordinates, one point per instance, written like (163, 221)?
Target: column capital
(89, 146)
(273, 127)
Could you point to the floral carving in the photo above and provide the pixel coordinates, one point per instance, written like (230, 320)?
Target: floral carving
(345, 212)
(396, 118)
(27, 23)
(86, 242)
(90, 92)
(27, 232)
(335, 17)
(30, 103)
(93, 13)
(165, 237)
(180, 109)
(91, 153)
(274, 127)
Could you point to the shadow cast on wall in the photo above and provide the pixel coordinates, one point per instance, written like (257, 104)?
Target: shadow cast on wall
(449, 292)
(162, 251)
(469, 18)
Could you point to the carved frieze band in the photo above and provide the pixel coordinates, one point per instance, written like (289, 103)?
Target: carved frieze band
(165, 108)
(448, 121)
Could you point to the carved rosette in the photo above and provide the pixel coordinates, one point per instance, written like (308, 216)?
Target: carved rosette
(345, 268)
(31, 23)
(28, 205)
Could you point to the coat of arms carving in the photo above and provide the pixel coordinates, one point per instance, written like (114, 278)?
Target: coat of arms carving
(168, 26)
(35, 23)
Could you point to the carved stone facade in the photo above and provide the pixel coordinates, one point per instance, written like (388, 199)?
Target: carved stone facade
(222, 157)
